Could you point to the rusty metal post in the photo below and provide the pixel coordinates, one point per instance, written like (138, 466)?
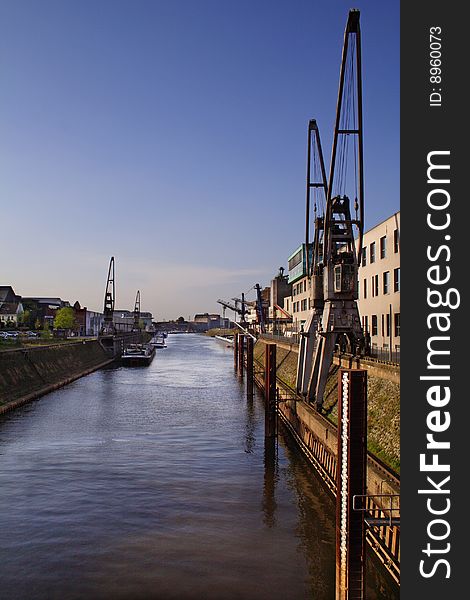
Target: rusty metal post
(249, 367)
(270, 391)
(235, 352)
(351, 481)
(241, 349)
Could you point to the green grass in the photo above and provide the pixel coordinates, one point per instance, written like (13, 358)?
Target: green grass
(25, 343)
(214, 332)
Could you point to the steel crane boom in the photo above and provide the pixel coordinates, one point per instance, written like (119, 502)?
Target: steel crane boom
(340, 315)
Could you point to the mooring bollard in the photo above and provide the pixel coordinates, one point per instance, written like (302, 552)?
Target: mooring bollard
(235, 351)
(351, 482)
(270, 391)
(249, 367)
(241, 348)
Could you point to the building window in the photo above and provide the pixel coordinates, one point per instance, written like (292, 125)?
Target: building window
(364, 257)
(396, 241)
(396, 280)
(366, 324)
(386, 282)
(365, 289)
(304, 304)
(387, 324)
(374, 324)
(372, 252)
(375, 285)
(383, 246)
(397, 325)
(383, 331)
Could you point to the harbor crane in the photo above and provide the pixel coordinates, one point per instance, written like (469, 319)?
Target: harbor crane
(137, 312)
(238, 310)
(109, 300)
(334, 267)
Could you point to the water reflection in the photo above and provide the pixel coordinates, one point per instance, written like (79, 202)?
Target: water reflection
(158, 483)
(270, 477)
(250, 427)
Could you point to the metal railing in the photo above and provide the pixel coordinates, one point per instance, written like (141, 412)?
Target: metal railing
(385, 355)
(378, 354)
(289, 337)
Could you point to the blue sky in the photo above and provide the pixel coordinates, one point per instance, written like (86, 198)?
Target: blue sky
(172, 135)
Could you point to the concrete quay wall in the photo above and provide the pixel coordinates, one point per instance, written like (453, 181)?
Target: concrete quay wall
(27, 374)
(383, 395)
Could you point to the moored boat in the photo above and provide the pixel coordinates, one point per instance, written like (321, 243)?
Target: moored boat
(138, 354)
(158, 341)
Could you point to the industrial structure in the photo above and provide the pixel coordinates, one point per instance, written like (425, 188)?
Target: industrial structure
(334, 312)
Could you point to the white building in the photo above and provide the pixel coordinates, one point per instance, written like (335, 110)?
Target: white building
(94, 322)
(379, 284)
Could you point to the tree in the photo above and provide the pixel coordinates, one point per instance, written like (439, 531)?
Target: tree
(180, 320)
(24, 318)
(37, 324)
(64, 318)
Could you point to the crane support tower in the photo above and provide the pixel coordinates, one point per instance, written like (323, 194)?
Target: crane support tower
(336, 264)
(137, 312)
(260, 309)
(109, 299)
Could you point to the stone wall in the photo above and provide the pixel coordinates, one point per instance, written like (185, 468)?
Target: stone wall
(26, 374)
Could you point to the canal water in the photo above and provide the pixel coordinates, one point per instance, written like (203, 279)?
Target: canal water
(156, 483)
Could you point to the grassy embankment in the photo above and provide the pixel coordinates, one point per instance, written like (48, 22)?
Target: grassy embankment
(22, 342)
(214, 332)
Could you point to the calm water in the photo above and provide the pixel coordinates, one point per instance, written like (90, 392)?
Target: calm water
(156, 483)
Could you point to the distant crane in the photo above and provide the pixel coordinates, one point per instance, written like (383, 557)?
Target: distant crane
(238, 310)
(340, 315)
(137, 312)
(109, 300)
